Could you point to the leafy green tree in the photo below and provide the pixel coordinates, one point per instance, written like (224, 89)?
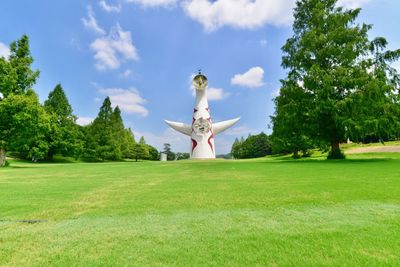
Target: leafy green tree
(259, 145)
(292, 124)
(24, 126)
(142, 141)
(129, 143)
(253, 147)
(328, 59)
(153, 153)
(181, 156)
(118, 133)
(379, 95)
(167, 150)
(64, 137)
(140, 151)
(23, 122)
(100, 139)
(16, 75)
(236, 150)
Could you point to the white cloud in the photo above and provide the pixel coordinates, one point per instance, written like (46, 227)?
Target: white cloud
(253, 78)
(84, 120)
(244, 14)
(128, 100)
(4, 50)
(214, 94)
(109, 8)
(91, 24)
(239, 131)
(126, 73)
(352, 3)
(154, 3)
(112, 49)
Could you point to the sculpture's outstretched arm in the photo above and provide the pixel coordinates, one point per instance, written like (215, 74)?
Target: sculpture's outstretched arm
(219, 127)
(180, 127)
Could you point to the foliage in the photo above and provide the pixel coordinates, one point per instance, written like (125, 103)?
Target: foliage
(64, 138)
(292, 125)
(19, 106)
(181, 156)
(330, 93)
(36, 132)
(16, 75)
(153, 153)
(129, 143)
(253, 147)
(167, 150)
(139, 151)
(104, 135)
(24, 125)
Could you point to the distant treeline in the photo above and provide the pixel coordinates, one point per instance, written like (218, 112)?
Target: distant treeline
(37, 132)
(254, 146)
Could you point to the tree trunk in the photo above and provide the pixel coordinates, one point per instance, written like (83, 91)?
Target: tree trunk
(335, 147)
(50, 155)
(335, 152)
(296, 154)
(2, 157)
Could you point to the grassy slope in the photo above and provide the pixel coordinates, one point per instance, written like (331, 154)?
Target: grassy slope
(267, 212)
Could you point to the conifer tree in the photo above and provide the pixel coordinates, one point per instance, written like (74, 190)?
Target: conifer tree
(329, 92)
(64, 136)
(101, 141)
(16, 75)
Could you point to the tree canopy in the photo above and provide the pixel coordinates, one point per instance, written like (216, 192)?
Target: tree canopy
(338, 84)
(34, 131)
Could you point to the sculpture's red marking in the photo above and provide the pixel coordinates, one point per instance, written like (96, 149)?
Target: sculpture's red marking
(193, 120)
(209, 141)
(194, 144)
(195, 110)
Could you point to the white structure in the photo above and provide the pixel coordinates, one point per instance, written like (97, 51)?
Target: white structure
(202, 130)
(163, 156)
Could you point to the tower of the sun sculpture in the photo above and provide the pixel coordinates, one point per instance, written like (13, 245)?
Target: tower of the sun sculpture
(202, 130)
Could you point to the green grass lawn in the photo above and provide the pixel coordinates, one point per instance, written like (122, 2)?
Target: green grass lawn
(270, 211)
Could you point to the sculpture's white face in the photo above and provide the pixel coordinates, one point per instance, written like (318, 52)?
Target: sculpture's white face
(200, 82)
(201, 126)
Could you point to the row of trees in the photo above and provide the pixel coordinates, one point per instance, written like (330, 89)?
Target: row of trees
(340, 84)
(172, 155)
(108, 139)
(253, 146)
(38, 131)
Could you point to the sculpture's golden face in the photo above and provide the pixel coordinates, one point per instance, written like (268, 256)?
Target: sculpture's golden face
(201, 126)
(200, 82)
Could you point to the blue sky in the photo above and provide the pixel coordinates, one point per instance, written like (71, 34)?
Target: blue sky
(142, 54)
